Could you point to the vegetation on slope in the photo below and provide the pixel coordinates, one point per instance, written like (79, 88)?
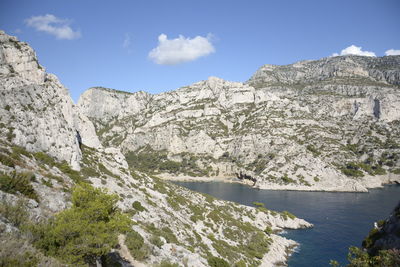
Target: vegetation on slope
(86, 231)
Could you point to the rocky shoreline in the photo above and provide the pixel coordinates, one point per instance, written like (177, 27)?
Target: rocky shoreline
(361, 185)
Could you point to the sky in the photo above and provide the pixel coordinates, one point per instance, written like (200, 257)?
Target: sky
(158, 46)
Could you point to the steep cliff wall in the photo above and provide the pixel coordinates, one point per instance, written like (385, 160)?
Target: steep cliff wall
(36, 110)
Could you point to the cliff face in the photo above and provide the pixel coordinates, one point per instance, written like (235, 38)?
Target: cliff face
(385, 235)
(329, 124)
(36, 111)
(38, 132)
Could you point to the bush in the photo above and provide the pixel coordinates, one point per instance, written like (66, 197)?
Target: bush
(84, 232)
(352, 169)
(285, 214)
(156, 240)
(16, 213)
(18, 182)
(258, 204)
(313, 150)
(166, 263)
(138, 206)
(135, 243)
(44, 158)
(18, 151)
(66, 169)
(26, 259)
(7, 161)
(217, 262)
(268, 230)
(359, 258)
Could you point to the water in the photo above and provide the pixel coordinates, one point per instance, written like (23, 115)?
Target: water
(340, 219)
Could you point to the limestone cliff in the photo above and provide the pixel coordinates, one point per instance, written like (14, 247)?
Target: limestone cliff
(329, 124)
(36, 110)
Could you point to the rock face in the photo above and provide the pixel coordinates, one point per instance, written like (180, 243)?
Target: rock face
(329, 124)
(36, 111)
(386, 235)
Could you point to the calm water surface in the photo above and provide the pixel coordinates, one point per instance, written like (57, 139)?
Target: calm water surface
(340, 219)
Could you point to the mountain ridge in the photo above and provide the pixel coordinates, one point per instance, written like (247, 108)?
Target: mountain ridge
(212, 118)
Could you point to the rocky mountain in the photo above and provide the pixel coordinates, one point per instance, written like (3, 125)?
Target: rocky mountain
(48, 145)
(329, 124)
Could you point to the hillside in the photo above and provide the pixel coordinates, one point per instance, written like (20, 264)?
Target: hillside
(329, 124)
(48, 147)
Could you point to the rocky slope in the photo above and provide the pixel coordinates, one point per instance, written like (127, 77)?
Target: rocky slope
(385, 235)
(47, 146)
(331, 124)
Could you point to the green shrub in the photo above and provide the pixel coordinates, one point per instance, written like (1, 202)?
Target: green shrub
(313, 150)
(18, 151)
(16, 213)
(7, 161)
(268, 230)
(26, 259)
(360, 258)
(89, 172)
(135, 243)
(352, 169)
(66, 169)
(287, 180)
(104, 170)
(258, 204)
(138, 206)
(156, 240)
(84, 232)
(217, 262)
(285, 214)
(44, 158)
(396, 171)
(240, 263)
(18, 182)
(166, 263)
(373, 235)
(378, 170)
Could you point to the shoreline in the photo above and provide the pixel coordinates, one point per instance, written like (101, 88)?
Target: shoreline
(357, 186)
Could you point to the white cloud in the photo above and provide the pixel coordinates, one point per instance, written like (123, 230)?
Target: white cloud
(392, 52)
(52, 25)
(354, 50)
(127, 43)
(181, 49)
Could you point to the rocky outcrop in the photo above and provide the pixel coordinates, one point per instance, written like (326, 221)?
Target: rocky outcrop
(36, 110)
(385, 235)
(329, 124)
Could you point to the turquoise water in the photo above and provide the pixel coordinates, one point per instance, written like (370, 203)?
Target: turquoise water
(340, 219)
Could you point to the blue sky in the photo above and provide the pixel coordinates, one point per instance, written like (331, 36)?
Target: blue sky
(162, 45)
